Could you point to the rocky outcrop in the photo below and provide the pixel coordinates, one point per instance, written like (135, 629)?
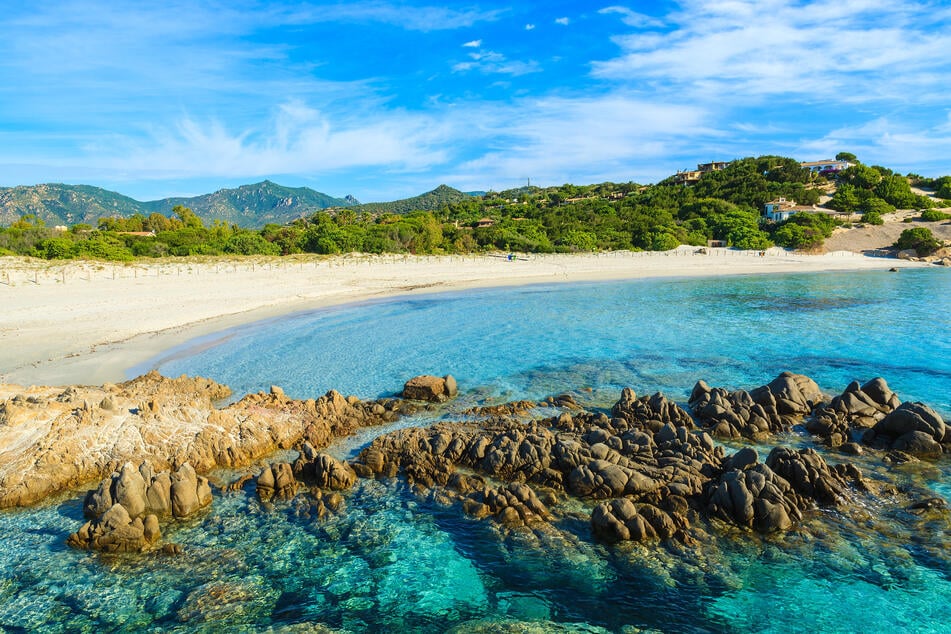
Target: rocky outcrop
(859, 406)
(811, 477)
(756, 414)
(623, 520)
(52, 439)
(117, 531)
(429, 388)
(125, 509)
(512, 505)
(650, 412)
(912, 428)
(756, 498)
(647, 453)
(282, 480)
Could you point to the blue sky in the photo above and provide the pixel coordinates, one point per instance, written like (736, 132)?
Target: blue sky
(386, 99)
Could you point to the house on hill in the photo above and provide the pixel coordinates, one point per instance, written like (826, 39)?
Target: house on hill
(826, 167)
(692, 176)
(780, 210)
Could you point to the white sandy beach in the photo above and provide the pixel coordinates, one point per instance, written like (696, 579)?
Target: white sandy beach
(89, 322)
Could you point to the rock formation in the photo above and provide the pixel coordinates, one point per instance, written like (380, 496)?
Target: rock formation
(125, 510)
(430, 388)
(282, 480)
(755, 414)
(859, 406)
(52, 439)
(913, 428)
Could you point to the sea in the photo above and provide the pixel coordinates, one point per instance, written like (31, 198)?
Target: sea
(393, 561)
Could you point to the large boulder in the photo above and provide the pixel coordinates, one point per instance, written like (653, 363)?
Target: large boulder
(621, 519)
(913, 428)
(141, 491)
(810, 475)
(756, 498)
(859, 406)
(430, 388)
(768, 409)
(116, 531)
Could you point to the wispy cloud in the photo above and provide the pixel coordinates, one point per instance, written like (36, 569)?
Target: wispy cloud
(402, 14)
(529, 27)
(562, 21)
(852, 51)
(473, 44)
(493, 62)
(632, 18)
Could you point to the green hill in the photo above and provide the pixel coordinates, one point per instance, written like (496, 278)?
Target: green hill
(247, 206)
(252, 205)
(58, 204)
(442, 195)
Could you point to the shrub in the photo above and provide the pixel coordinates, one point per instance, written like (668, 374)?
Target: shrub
(933, 215)
(920, 239)
(873, 218)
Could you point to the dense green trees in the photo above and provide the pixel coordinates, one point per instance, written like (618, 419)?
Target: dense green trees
(920, 239)
(724, 205)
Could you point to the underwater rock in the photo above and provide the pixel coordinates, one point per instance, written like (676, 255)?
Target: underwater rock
(430, 388)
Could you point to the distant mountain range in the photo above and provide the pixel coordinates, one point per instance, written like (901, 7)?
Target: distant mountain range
(424, 202)
(250, 206)
(247, 206)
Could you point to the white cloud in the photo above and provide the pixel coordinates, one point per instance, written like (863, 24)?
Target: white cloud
(632, 18)
(297, 139)
(529, 27)
(473, 44)
(896, 144)
(493, 62)
(562, 21)
(852, 51)
(407, 16)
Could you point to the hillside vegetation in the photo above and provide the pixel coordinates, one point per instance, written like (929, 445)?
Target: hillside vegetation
(246, 206)
(724, 205)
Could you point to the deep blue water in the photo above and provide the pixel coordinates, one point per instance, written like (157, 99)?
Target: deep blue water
(391, 562)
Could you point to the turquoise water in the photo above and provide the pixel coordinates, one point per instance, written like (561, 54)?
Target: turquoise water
(392, 562)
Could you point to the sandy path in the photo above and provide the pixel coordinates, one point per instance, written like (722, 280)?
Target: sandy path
(85, 322)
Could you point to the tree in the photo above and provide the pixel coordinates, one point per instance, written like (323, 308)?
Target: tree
(895, 190)
(920, 239)
(188, 217)
(844, 199)
(845, 156)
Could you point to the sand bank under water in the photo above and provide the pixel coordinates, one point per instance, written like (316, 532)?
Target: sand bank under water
(89, 322)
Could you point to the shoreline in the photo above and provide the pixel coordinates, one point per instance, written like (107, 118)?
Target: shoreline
(83, 322)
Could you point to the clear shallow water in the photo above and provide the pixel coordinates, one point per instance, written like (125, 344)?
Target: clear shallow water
(390, 562)
(652, 335)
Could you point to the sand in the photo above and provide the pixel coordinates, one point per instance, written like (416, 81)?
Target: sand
(90, 322)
